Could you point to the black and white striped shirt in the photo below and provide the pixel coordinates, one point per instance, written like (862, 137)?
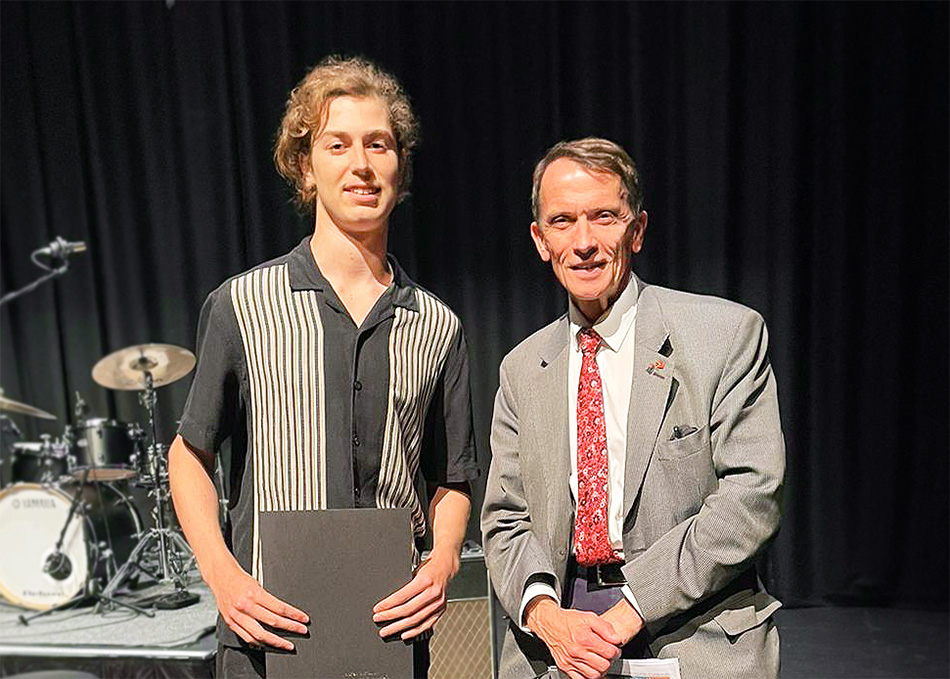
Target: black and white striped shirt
(309, 411)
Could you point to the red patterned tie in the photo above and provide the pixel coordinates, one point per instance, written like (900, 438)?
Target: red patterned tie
(591, 539)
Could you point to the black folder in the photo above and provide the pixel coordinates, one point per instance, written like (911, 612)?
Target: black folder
(335, 564)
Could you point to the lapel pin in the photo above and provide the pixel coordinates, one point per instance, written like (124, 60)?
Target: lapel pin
(655, 368)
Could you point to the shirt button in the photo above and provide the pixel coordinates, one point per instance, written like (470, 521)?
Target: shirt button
(356, 441)
(357, 385)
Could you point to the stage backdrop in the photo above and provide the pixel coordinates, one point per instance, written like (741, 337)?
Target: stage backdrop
(794, 158)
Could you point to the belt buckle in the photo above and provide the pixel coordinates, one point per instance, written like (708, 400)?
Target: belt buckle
(609, 575)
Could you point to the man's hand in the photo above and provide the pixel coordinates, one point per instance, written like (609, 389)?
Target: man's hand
(244, 605)
(415, 607)
(624, 619)
(582, 643)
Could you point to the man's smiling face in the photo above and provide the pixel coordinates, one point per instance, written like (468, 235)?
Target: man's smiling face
(588, 232)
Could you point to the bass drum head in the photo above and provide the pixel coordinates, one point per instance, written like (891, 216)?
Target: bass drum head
(31, 518)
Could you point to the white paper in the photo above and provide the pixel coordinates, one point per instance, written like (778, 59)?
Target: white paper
(646, 668)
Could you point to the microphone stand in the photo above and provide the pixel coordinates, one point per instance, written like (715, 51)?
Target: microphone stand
(52, 273)
(59, 567)
(58, 251)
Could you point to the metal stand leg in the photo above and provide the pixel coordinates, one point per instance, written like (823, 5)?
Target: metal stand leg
(92, 591)
(174, 555)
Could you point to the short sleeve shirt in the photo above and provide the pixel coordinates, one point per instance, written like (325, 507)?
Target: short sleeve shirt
(309, 411)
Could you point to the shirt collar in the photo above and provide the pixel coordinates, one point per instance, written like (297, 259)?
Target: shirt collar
(614, 325)
(305, 275)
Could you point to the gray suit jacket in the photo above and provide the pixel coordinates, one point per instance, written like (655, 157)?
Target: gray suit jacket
(698, 509)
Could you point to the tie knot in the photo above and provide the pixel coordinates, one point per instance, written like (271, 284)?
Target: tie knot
(589, 340)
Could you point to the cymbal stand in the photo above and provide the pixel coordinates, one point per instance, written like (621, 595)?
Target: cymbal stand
(8, 426)
(175, 556)
(8, 431)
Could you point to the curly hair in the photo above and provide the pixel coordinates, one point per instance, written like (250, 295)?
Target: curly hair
(306, 112)
(597, 155)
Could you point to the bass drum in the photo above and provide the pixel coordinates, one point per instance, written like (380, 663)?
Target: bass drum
(98, 540)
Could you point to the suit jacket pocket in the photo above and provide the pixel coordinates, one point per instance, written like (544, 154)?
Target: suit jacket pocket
(747, 613)
(684, 447)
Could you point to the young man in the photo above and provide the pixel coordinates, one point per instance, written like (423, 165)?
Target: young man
(637, 454)
(336, 379)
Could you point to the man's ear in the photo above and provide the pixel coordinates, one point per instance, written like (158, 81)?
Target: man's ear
(539, 243)
(306, 170)
(639, 227)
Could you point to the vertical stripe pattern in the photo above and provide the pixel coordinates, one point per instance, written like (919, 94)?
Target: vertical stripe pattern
(283, 342)
(418, 346)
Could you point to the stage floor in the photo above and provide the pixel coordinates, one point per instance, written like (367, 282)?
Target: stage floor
(864, 643)
(115, 643)
(817, 643)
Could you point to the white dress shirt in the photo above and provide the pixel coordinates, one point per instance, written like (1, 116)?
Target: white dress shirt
(615, 362)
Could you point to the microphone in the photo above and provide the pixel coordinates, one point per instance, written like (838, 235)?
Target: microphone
(58, 566)
(61, 249)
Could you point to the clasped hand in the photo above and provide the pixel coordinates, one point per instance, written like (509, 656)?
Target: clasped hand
(583, 644)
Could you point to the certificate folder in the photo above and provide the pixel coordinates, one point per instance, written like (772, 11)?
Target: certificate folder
(335, 564)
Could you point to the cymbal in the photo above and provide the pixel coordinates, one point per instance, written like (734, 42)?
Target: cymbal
(125, 369)
(12, 406)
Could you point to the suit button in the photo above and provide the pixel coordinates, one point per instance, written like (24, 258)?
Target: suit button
(356, 441)
(357, 385)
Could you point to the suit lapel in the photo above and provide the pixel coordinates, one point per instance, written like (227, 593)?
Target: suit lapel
(551, 386)
(652, 381)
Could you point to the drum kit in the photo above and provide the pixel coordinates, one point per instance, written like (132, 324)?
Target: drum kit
(69, 528)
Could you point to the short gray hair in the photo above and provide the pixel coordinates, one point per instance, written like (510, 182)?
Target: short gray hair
(597, 155)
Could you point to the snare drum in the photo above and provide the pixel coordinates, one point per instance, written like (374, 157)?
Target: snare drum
(39, 462)
(98, 540)
(106, 448)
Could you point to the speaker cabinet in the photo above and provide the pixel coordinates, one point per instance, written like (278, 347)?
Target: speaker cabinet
(463, 644)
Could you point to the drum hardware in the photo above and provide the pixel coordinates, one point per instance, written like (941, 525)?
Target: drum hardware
(143, 368)
(44, 462)
(81, 407)
(8, 426)
(59, 566)
(92, 590)
(93, 532)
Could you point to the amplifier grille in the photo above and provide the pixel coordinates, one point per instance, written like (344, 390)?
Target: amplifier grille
(460, 647)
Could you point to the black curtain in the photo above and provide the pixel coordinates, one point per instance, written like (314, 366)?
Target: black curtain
(794, 158)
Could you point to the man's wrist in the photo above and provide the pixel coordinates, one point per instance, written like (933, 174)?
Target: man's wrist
(446, 559)
(536, 610)
(216, 568)
(625, 619)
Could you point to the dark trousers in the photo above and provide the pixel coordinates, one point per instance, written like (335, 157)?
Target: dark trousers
(247, 663)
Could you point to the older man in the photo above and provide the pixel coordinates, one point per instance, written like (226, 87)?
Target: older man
(637, 454)
(338, 381)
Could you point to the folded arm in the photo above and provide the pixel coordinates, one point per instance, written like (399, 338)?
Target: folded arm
(703, 553)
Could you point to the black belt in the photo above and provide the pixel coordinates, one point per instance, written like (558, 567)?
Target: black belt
(602, 575)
